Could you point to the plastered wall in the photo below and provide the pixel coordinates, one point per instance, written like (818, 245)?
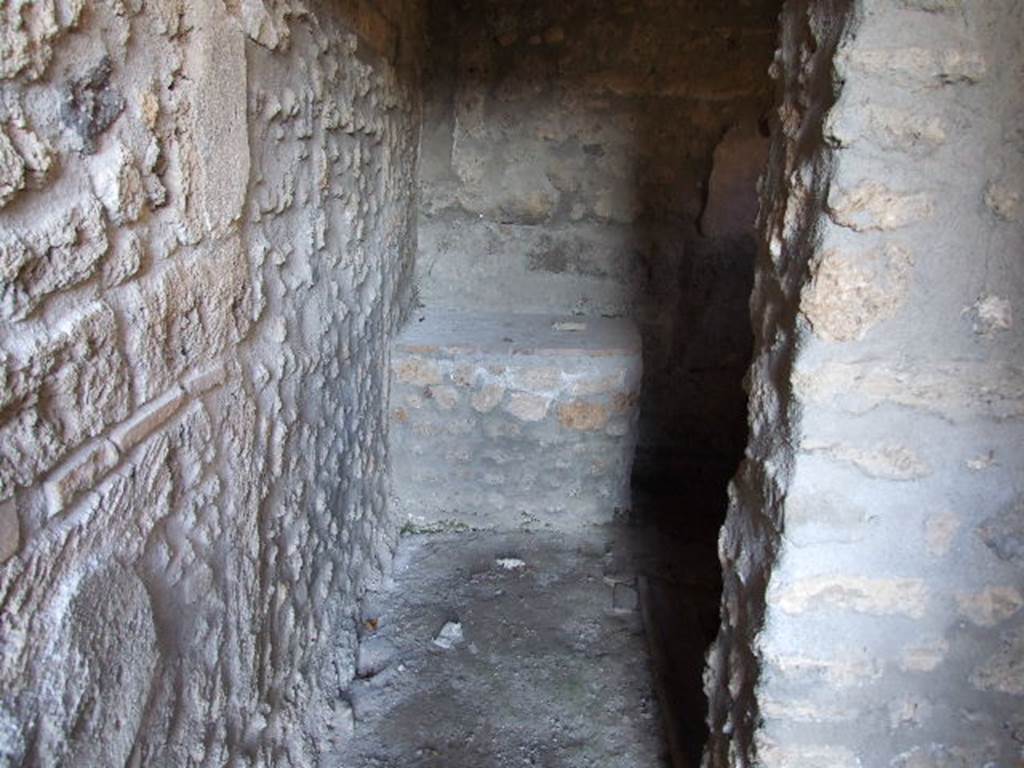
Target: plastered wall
(206, 230)
(601, 158)
(874, 585)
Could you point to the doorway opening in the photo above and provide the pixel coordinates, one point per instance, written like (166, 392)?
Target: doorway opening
(595, 162)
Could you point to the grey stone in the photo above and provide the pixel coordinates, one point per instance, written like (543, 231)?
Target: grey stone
(91, 104)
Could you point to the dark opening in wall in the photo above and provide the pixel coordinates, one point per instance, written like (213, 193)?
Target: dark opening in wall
(600, 159)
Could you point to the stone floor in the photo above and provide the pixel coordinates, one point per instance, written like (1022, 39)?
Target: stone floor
(495, 650)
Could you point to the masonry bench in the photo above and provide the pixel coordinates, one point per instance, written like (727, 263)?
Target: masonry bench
(510, 420)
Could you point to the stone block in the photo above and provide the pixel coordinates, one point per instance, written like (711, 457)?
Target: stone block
(487, 399)
(149, 419)
(217, 144)
(851, 292)
(1003, 534)
(584, 416)
(80, 474)
(905, 130)
(858, 594)
(874, 206)
(925, 66)
(187, 316)
(12, 169)
(990, 606)
(533, 441)
(527, 406)
(65, 389)
(60, 251)
(1004, 200)
(957, 391)
(886, 462)
(1003, 672)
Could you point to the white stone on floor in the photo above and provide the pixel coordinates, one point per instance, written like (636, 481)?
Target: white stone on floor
(449, 636)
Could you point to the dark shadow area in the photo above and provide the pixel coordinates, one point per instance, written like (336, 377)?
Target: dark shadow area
(675, 524)
(600, 158)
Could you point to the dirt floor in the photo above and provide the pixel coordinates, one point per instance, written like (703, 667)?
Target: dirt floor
(494, 650)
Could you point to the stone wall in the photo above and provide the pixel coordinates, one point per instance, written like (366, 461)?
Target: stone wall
(206, 224)
(874, 582)
(601, 158)
(502, 421)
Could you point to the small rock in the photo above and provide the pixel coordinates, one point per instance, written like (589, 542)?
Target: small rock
(510, 563)
(572, 327)
(449, 636)
(982, 462)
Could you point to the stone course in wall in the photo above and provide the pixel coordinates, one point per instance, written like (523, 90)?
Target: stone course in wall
(206, 240)
(503, 421)
(873, 611)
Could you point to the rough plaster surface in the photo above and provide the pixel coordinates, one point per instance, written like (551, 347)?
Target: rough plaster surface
(601, 158)
(511, 421)
(872, 612)
(206, 223)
